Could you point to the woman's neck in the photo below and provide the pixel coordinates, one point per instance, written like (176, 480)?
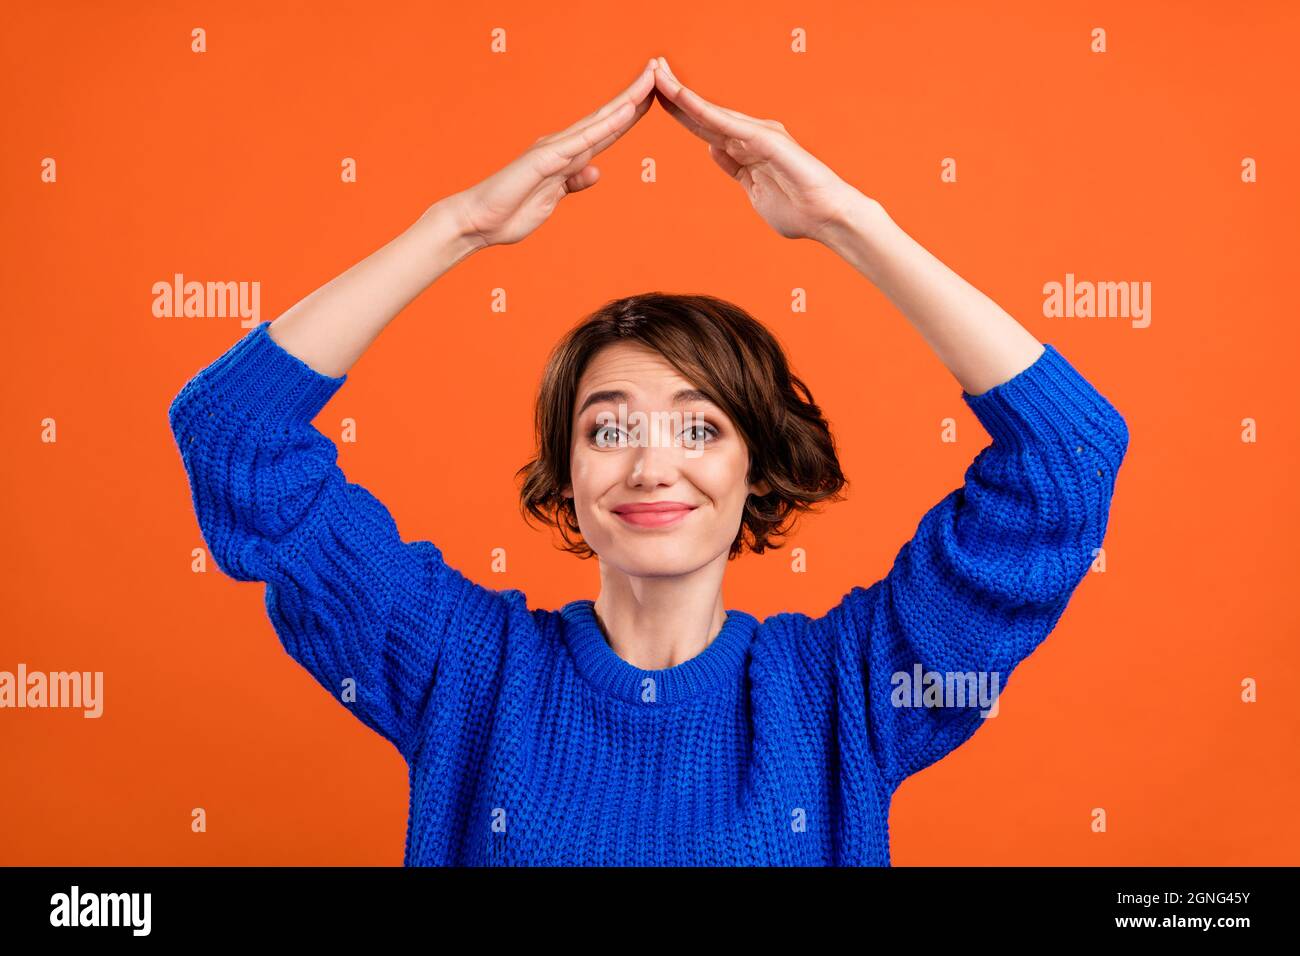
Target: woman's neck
(656, 623)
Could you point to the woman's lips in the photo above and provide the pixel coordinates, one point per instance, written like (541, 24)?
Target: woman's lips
(657, 515)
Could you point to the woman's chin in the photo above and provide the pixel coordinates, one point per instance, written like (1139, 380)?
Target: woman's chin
(643, 560)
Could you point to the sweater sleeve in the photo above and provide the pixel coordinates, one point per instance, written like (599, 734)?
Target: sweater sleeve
(364, 612)
(990, 568)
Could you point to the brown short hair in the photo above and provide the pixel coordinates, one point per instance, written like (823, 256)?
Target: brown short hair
(731, 357)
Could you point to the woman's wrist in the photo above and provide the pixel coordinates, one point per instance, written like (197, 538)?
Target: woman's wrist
(447, 233)
(859, 219)
(861, 234)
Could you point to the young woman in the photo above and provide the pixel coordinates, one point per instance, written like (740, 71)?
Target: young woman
(652, 725)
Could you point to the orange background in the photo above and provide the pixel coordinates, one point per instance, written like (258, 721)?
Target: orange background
(225, 166)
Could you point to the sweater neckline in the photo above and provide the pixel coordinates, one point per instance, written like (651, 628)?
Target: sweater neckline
(714, 667)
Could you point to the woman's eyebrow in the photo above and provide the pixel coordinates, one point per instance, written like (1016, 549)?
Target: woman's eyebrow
(618, 395)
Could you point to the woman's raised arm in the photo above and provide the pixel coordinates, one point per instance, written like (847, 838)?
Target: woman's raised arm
(365, 612)
(990, 568)
(993, 565)
(333, 326)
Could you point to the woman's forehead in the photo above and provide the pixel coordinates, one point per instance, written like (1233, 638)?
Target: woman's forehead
(630, 367)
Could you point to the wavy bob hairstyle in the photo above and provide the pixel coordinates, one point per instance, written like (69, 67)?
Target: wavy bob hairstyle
(731, 357)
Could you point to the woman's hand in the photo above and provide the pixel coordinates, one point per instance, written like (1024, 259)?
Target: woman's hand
(796, 194)
(514, 201)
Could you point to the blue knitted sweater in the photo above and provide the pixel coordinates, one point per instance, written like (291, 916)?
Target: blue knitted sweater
(530, 741)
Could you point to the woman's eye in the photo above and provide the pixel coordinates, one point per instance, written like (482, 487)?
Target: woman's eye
(606, 436)
(700, 434)
(610, 436)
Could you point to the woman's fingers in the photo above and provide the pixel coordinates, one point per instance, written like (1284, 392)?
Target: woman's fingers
(597, 131)
(726, 109)
(735, 139)
(669, 93)
(635, 92)
(641, 109)
(738, 136)
(676, 112)
(729, 165)
(583, 179)
(707, 120)
(558, 154)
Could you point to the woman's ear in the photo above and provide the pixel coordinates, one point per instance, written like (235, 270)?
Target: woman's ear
(760, 488)
(566, 491)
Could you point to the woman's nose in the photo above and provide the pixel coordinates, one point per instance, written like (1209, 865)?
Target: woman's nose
(655, 459)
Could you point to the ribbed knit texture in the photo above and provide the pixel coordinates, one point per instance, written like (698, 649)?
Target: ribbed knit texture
(530, 741)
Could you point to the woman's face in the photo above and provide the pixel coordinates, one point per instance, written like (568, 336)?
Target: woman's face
(643, 435)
